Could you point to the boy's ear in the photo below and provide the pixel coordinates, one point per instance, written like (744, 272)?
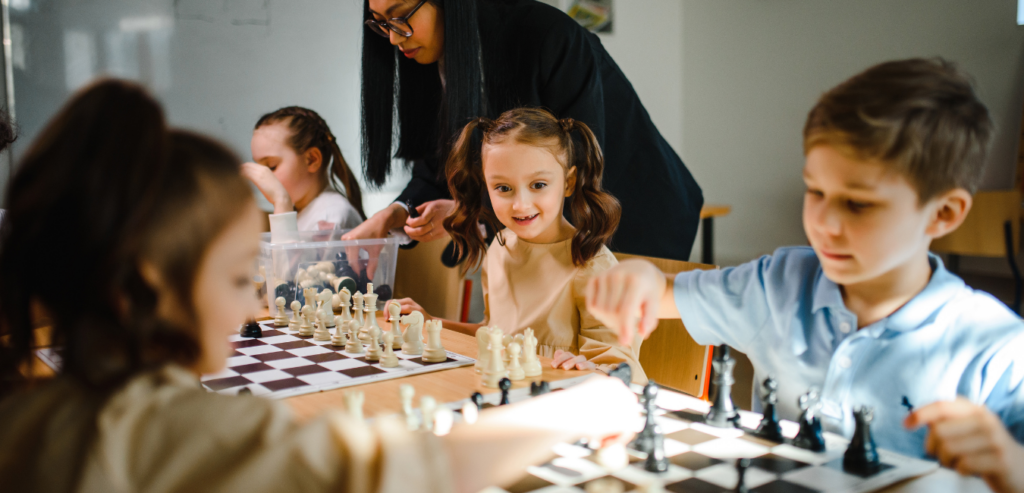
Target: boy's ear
(570, 181)
(951, 209)
(314, 159)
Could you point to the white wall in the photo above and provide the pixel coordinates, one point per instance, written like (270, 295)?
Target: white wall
(753, 68)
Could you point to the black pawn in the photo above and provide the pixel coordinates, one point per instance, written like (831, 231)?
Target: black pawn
(723, 413)
(244, 391)
(622, 372)
(656, 460)
(505, 385)
(383, 292)
(769, 429)
(252, 329)
(644, 441)
(861, 457)
(741, 473)
(477, 399)
(539, 388)
(809, 437)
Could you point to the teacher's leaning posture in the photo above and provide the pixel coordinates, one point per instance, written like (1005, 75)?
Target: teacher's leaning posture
(459, 59)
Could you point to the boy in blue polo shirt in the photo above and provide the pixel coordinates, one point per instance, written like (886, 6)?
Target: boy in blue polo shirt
(865, 313)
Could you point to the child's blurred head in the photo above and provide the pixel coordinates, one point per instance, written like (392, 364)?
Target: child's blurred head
(519, 173)
(298, 146)
(133, 239)
(892, 157)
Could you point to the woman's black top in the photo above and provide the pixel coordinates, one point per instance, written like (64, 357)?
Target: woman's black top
(536, 55)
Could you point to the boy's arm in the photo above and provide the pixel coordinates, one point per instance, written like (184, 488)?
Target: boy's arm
(630, 298)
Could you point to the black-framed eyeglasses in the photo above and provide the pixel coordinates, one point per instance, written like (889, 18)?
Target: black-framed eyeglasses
(400, 25)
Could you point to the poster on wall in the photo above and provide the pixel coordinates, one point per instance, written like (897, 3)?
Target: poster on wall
(595, 15)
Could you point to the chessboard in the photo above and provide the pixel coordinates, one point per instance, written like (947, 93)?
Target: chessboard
(284, 364)
(703, 458)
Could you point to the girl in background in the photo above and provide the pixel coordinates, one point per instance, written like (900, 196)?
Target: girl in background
(165, 234)
(299, 168)
(516, 177)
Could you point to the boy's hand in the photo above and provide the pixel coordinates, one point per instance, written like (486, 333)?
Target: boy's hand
(627, 298)
(568, 361)
(972, 440)
(269, 186)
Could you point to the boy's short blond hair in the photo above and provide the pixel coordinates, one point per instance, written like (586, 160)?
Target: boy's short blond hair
(920, 116)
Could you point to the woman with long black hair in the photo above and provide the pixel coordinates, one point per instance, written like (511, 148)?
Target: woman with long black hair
(436, 64)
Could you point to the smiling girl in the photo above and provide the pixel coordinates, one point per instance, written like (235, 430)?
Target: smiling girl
(517, 181)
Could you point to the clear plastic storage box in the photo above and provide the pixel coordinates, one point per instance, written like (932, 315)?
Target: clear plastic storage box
(323, 260)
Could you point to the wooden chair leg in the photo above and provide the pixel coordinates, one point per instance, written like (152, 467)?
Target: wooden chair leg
(1011, 258)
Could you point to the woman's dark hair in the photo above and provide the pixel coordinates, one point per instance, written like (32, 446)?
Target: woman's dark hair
(103, 188)
(427, 115)
(309, 131)
(594, 212)
(8, 132)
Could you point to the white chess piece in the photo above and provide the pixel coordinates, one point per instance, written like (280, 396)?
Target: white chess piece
(394, 308)
(353, 345)
(321, 333)
(412, 340)
(531, 364)
(357, 308)
(373, 350)
(306, 328)
(515, 370)
(434, 352)
(483, 339)
(293, 323)
(354, 404)
(406, 392)
(338, 339)
(370, 310)
(495, 366)
(345, 298)
(427, 408)
(281, 320)
(389, 360)
(505, 341)
(325, 307)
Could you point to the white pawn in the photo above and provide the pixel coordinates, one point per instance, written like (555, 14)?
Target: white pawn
(483, 339)
(515, 370)
(306, 328)
(412, 340)
(293, 324)
(345, 297)
(357, 308)
(338, 339)
(281, 320)
(406, 392)
(434, 353)
(495, 366)
(373, 351)
(353, 345)
(321, 333)
(354, 404)
(394, 308)
(389, 360)
(531, 364)
(427, 408)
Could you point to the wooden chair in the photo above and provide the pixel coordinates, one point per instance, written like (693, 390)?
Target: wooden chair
(420, 275)
(708, 213)
(670, 356)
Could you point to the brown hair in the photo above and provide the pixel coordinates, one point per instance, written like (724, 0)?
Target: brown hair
(594, 212)
(919, 116)
(104, 186)
(309, 130)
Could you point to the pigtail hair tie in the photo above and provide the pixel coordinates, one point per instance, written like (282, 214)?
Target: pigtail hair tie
(567, 124)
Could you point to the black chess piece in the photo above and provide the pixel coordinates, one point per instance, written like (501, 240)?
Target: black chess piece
(285, 290)
(809, 437)
(505, 385)
(413, 213)
(245, 391)
(344, 269)
(644, 441)
(252, 329)
(477, 399)
(723, 413)
(622, 372)
(741, 473)
(383, 292)
(539, 388)
(861, 457)
(769, 429)
(364, 277)
(347, 282)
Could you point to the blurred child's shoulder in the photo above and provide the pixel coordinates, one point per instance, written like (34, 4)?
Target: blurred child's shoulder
(603, 260)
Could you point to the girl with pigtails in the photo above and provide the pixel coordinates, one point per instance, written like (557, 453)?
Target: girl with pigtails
(516, 174)
(300, 170)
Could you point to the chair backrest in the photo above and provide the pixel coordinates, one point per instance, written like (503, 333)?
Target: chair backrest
(982, 233)
(670, 356)
(420, 275)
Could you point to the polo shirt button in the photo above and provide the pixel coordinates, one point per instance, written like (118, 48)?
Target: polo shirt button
(845, 362)
(844, 327)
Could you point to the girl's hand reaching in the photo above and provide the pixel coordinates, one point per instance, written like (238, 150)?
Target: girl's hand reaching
(270, 186)
(408, 306)
(568, 361)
